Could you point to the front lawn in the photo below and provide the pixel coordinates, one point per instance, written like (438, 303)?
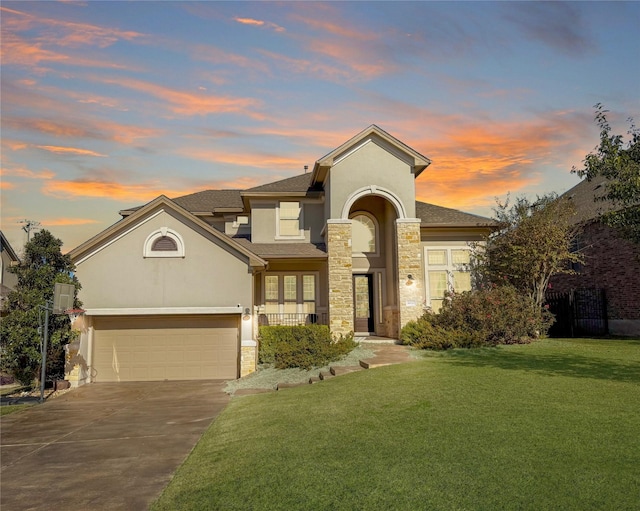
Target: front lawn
(7, 409)
(551, 425)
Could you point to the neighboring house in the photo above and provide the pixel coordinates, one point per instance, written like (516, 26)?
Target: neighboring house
(612, 263)
(8, 280)
(178, 288)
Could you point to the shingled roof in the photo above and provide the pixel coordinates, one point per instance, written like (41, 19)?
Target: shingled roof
(439, 216)
(207, 201)
(211, 200)
(582, 196)
(284, 250)
(294, 184)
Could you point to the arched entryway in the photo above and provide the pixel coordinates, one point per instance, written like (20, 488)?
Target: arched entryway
(374, 263)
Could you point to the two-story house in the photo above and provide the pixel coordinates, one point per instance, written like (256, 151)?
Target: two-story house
(178, 288)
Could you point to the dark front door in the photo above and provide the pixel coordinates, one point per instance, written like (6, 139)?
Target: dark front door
(363, 303)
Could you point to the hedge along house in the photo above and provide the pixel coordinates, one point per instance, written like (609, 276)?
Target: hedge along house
(178, 288)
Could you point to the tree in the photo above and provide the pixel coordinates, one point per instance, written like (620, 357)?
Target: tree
(534, 242)
(620, 165)
(42, 266)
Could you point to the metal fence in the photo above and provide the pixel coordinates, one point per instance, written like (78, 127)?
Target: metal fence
(292, 319)
(580, 312)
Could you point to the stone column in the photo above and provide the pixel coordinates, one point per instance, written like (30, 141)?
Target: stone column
(411, 290)
(340, 276)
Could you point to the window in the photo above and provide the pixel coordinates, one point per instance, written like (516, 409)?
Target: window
(447, 269)
(290, 294)
(164, 242)
(309, 293)
(363, 234)
(271, 294)
(289, 215)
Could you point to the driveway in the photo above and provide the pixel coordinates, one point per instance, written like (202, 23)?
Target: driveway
(106, 446)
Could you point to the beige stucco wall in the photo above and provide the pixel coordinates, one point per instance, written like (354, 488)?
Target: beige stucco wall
(264, 218)
(210, 274)
(373, 163)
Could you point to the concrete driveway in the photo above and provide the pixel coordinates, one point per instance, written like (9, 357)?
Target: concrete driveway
(106, 446)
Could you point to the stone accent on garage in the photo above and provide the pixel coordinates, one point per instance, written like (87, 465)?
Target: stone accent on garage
(411, 292)
(340, 276)
(248, 357)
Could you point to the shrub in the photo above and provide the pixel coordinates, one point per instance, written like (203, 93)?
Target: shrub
(301, 346)
(498, 315)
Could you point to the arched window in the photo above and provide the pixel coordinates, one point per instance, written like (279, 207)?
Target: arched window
(164, 242)
(364, 234)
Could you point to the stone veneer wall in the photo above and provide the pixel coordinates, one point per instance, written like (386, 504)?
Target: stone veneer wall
(340, 276)
(248, 357)
(411, 295)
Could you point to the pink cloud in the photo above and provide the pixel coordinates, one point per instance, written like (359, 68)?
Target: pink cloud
(60, 222)
(259, 23)
(70, 150)
(190, 103)
(27, 173)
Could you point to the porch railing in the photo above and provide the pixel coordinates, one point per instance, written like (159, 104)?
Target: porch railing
(292, 319)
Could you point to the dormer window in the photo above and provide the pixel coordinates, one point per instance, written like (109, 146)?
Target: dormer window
(164, 242)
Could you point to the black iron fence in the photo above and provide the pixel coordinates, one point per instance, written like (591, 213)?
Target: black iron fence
(292, 319)
(580, 312)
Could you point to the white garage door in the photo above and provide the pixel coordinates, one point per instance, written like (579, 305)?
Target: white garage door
(151, 348)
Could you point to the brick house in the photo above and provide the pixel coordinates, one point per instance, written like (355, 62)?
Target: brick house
(178, 288)
(612, 263)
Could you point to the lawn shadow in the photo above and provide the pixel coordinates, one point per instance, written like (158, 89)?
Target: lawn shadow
(560, 364)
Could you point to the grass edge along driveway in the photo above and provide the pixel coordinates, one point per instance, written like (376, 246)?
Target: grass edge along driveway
(551, 425)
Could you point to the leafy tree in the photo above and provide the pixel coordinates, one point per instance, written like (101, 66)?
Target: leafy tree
(42, 266)
(534, 241)
(619, 163)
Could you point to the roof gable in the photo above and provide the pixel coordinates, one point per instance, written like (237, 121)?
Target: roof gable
(162, 202)
(375, 134)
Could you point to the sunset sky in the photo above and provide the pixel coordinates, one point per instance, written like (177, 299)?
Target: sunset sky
(106, 105)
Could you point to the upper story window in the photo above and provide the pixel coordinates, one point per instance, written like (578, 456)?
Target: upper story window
(364, 234)
(164, 242)
(289, 220)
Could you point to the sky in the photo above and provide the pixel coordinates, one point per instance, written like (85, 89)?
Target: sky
(106, 105)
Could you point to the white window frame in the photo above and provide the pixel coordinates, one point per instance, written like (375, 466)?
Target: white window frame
(148, 251)
(300, 235)
(300, 301)
(449, 267)
(376, 233)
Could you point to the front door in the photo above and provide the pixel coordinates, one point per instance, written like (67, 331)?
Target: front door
(363, 303)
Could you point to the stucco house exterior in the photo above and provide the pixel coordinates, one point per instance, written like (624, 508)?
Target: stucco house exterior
(178, 288)
(8, 258)
(612, 262)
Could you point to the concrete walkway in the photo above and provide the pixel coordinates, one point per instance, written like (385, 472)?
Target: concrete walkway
(103, 446)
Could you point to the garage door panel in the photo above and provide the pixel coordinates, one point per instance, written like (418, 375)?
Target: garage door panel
(165, 348)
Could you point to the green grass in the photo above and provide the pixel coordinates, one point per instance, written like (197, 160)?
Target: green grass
(547, 426)
(7, 409)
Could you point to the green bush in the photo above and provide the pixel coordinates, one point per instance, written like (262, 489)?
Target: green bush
(301, 346)
(499, 315)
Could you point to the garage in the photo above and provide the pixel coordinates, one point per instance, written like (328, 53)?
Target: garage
(155, 348)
